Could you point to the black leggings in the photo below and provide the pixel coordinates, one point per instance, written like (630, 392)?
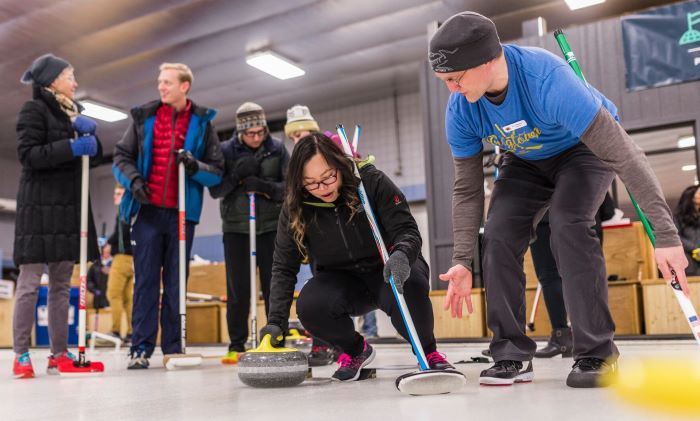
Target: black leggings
(329, 300)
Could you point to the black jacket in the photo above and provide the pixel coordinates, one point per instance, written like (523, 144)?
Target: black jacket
(690, 238)
(273, 159)
(97, 284)
(47, 224)
(334, 242)
(121, 245)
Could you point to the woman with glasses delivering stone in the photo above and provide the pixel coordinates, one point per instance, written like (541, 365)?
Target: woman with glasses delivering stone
(323, 219)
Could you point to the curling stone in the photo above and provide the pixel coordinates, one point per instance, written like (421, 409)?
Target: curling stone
(666, 385)
(267, 366)
(298, 341)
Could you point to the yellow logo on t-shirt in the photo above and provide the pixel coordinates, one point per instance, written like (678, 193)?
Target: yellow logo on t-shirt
(512, 141)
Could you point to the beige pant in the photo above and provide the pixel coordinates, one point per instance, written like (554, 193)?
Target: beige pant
(120, 290)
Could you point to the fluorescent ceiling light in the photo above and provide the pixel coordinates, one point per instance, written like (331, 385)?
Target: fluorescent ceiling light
(102, 112)
(686, 141)
(274, 64)
(580, 4)
(688, 167)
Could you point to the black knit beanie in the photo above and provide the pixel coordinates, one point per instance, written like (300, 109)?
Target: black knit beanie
(44, 70)
(464, 41)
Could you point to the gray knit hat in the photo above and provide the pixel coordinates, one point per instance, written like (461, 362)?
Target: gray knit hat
(249, 115)
(44, 70)
(464, 41)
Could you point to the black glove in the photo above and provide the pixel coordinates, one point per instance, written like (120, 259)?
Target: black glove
(276, 334)
(140, 191)
(257, 185)
(398, 266)
(191, 165)
(246, 167)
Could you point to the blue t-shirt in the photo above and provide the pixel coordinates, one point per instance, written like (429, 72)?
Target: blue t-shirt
(546, 109)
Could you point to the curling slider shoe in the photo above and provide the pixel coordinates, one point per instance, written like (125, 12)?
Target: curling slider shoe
(176, 361)
(80, 368)
(430, 382)
(268, 367)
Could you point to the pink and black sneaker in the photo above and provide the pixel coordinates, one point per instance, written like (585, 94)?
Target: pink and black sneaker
(437, 361)
(350, 367)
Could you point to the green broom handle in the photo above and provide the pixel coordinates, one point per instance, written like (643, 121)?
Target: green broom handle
(571, 59)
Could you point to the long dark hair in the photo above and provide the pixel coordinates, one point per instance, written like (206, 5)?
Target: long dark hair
(686, 215)
(304, 150)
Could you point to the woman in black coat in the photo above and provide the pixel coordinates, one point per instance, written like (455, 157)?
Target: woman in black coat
(52, 136)
(322, 219)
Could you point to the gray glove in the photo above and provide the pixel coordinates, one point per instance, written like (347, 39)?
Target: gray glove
(399, 267)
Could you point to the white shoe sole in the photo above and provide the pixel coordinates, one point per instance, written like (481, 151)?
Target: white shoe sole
(495, 381)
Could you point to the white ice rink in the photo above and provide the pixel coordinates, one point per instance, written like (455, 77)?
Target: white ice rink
(214, 392)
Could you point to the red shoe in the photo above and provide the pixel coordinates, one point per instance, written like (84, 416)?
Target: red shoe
(55, 360)
(22, 368)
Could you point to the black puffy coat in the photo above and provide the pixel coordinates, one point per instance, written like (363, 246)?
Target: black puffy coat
(273, 159)
(47, 225)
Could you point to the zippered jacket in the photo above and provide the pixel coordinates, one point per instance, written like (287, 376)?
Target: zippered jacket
(133, 157)
(334, 241)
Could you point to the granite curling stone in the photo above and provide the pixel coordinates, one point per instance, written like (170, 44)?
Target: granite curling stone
(268, 367)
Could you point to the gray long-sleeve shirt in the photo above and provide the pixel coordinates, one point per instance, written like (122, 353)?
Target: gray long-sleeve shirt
(609, 142)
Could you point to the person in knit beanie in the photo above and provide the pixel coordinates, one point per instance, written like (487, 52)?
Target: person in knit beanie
(300, 123)
(563, 147)
(52, 138)
(256, 162)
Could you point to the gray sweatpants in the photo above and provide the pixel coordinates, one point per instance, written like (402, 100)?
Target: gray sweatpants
(572, 185)
(58, 304)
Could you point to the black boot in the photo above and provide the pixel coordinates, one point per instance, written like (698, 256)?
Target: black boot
(561, 342)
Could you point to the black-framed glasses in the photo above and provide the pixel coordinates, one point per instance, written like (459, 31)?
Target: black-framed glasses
(257, 133)
(326, 181)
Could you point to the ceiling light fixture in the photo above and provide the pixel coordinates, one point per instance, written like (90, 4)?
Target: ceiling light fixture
(102, 112)
(686, 141)
(274, 64)
(690, 167)
(580, 4)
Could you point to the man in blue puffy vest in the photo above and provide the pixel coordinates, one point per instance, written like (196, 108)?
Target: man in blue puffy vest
(145, 163)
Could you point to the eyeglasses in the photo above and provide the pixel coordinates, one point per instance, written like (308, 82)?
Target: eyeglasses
(456, 81)
(326, 181)
(257, 133)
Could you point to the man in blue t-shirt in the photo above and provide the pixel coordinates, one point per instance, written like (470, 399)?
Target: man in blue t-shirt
(563, 147)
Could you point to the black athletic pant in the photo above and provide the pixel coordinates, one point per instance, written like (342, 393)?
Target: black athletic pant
(237, 255)
(330, 299)
(572, 184)
(548, 274)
